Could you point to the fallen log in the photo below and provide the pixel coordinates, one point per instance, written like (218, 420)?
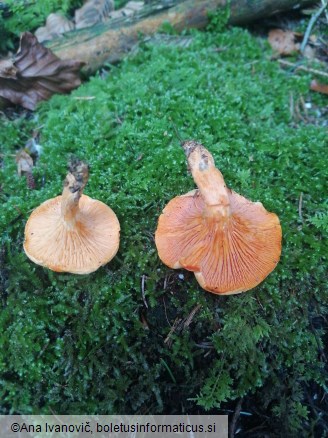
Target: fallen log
(109, 42)
(245, 11)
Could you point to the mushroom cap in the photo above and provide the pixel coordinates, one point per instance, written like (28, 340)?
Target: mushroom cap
(80, 249)
(228, 255)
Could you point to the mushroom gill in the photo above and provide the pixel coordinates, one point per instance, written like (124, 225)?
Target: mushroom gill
(72, 232)
(229, 242)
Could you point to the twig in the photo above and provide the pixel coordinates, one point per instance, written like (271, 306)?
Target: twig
(232, 426)
(311, 24)
(191, 316)
(143, 278)
(84, 97)
(291, 105)
(326, 12)
(304, 107)
(175, 325)
(298, 112)
(166, 281)
(168, 370)
(303, 68)
(181, 324)
(43, 349)
(167, 319)
(258, 300)
(300, 207)
(206, 345)
(321, 351)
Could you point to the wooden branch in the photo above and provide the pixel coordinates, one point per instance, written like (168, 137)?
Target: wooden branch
(297, 67)
(313, 19)
(245, 11)
(109, 42)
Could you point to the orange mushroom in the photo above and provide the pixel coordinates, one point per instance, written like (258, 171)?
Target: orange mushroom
(72, 232)
(229, 242)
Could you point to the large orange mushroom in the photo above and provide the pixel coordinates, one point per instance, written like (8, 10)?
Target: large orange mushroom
(229, 242)
(72, 232)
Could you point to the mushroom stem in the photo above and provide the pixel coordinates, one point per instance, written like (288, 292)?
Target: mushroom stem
(74, 184)
(208, 178)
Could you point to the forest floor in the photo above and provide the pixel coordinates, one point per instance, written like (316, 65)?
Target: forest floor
(136, 336)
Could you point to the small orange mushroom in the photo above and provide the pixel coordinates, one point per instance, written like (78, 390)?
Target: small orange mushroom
(72, 232)
(229, 242)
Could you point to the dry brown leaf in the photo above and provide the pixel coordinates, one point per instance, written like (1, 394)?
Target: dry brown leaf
(36, 73)
(59, 24)
(24, 162)
(134, 5)
(43, 34)
(319, 87)
(56, 25)
(93, 12)
(309, 52)
(283, 41)
(131, 8)
(25, 166)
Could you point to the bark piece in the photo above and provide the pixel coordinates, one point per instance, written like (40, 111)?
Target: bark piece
(36, 74)
(25, 167)
(93, 12)
(24, 163)
(56, 25)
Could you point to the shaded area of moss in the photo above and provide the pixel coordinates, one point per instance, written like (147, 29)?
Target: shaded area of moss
(71, 344)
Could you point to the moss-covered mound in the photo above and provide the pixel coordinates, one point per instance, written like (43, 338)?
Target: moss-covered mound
(89, 344)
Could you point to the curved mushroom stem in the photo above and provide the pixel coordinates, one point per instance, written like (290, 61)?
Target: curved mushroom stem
(74, 184)
(208, 178)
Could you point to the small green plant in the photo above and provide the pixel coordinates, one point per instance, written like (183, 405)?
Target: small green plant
(320, 220)
(218, 20)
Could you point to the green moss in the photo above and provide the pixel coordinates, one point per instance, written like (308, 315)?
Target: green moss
(72, 344)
